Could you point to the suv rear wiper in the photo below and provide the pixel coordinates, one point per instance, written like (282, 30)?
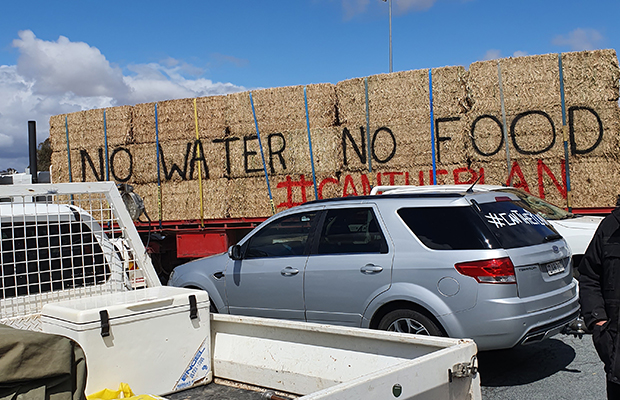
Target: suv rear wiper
(552, 237)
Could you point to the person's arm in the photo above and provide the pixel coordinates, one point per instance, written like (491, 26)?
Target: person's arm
(590, 282)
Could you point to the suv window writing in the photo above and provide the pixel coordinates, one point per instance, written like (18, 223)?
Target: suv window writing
(514, 226)
(39, 257)
(351, 230)
(448, 228)
(538, 206)
(284, 237)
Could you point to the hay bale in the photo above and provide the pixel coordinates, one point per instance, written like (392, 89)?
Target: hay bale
(179, 161)
(591, 77)
(248, 197)
(58, 139)
(283, 109)
(595, 182)
(176, 120)
(238, 114)
(143, 123)
(119, 125)
(92, 130)
(59, 167)
(181, 200)
(351, 100)
(211, 113)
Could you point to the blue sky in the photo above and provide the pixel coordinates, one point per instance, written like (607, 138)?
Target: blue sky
(65, 56)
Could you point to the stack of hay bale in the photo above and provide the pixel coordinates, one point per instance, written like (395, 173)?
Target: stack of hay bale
(364, 132)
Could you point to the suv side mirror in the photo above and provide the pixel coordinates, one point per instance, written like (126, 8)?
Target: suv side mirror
(234, 252)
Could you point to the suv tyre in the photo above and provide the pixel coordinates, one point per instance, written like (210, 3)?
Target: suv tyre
(409, 321)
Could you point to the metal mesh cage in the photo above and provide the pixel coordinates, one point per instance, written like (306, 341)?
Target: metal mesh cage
(65, 241)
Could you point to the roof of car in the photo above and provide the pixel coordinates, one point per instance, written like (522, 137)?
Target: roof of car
(431, 191)
(462, 188)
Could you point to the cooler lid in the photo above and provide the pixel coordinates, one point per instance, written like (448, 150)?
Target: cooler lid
(125, 304)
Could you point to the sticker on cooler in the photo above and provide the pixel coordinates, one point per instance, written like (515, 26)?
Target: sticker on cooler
(197, 370)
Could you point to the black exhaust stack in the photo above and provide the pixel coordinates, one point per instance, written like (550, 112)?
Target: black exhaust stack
(32, 149)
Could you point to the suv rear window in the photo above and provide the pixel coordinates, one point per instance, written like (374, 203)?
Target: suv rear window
(502, 224)
(514, 226)
(448, 228)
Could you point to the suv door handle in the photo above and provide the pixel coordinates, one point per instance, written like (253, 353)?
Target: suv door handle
(289, 271)
(371, 269)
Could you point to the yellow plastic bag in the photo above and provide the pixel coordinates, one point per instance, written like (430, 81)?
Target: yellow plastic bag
(123, 392)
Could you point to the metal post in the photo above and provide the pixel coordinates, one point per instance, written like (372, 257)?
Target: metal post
(32, 149)
(390, 17)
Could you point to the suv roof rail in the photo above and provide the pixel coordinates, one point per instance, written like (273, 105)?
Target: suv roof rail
(391, 195)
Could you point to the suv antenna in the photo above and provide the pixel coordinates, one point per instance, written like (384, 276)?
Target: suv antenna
(471, 188)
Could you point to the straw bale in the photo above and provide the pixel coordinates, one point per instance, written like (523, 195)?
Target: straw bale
(450, 97)
(283, 109)
(58, 139)
(279, 109)
(494, 172)
(59, 168)
(181, 200)
(395, 147)
(143, 123)
(530, 83)
(119, 125)
(249, 197)
(586, 130)
(483, 88)
(77, 129)
(178, 159)
(326, 150)
(399, 96)
(92, 130)
(211, 117)
(176, 120)
(595, 182)
(590, 77)
(351, 100)
(238, 114)
(322, 105)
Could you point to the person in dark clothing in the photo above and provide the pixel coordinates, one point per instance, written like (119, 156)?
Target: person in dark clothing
(599, 292)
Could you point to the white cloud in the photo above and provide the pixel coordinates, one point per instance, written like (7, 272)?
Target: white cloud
(579, 39)
(519, 53)
(404, 6)
(352, 8)
(57, 77)
(492, 54)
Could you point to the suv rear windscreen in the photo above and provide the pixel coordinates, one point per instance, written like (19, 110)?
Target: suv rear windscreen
(502, 224)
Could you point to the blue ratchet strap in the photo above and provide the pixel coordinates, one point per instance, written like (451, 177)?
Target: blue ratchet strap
(159, 205)
(105, 139)
(564, 133)
(430, 97)
(262, 155)
(368, 127)
(316, 191)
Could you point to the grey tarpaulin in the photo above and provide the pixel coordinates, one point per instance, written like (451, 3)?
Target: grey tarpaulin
(40, 366)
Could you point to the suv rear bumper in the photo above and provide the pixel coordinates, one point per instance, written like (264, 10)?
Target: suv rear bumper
(541, 333)
(508, 325)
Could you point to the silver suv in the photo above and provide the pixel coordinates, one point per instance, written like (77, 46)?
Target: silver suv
(462, 264)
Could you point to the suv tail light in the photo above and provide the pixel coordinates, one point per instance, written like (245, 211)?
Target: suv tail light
(497, 270)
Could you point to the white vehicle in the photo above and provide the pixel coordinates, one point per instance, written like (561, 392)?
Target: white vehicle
(577, 230)
(67, 270)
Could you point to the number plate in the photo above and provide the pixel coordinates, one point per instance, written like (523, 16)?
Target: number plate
(555, 267)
